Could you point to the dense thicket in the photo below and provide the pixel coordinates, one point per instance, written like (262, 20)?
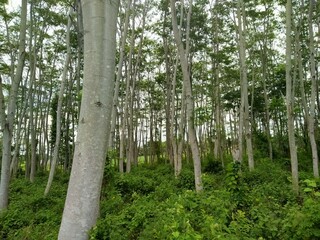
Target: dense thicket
(150, 203)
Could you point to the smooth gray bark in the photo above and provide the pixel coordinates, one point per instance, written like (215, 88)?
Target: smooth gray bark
(59, 107)
(118, 78)
(189, 98)
(244, 87)
(311, 120)
(177, 135)
(290, 101)
(8, 120)
(82, 202)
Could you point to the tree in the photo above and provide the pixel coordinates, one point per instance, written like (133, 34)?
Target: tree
(244, 111)
(7, 120)
(189, 98)
(311, 114)
(82, 202)
(290, 101)
(59, 107)
(117, 83)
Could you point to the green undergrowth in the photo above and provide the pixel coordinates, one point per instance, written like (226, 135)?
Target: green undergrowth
(150, 203)
(30, 215)
(236, 204)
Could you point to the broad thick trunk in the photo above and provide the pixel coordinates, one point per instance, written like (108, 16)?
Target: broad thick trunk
(82, 203)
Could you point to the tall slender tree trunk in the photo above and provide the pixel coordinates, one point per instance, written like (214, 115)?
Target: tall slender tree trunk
(119, 75)
(266, 102)
(290, 101)
(33, 64)
(129, 91)
(311, 120)
(22, 113)
(122, 141)
(169, 86)
(7, 122)
(32, 121)
(218, 118)
(59, 107)
(82, 203)
(177, 135)
(244, 86)
(177, 128)
(132, 140)
(189, 98)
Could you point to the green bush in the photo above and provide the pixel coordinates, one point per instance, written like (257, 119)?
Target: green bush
(128, 184)
(31, 215)
(150, 203)
(302, 222)
(186, 179)
(212, 165)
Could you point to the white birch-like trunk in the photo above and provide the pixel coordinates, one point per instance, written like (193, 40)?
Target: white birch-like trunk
(82, 202)
(59, 107)
(118, 78)
(7, 121)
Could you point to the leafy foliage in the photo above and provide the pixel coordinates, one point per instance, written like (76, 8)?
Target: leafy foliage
(150, 203)
(30, 214)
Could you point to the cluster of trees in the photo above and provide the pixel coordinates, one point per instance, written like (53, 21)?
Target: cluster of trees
(191, 79)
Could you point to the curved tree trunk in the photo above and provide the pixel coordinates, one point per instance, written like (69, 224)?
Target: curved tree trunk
(189, 98)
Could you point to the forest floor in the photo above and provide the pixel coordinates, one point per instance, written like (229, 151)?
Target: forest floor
(150, 203)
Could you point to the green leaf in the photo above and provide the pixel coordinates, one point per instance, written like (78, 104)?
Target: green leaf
(176, 234)
(307, 190)
(310, 183)
(317, 194)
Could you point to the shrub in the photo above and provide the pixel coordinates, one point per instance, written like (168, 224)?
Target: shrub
(31, 215)
(186, 179)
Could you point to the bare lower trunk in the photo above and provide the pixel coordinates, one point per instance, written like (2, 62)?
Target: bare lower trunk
(82, 203)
